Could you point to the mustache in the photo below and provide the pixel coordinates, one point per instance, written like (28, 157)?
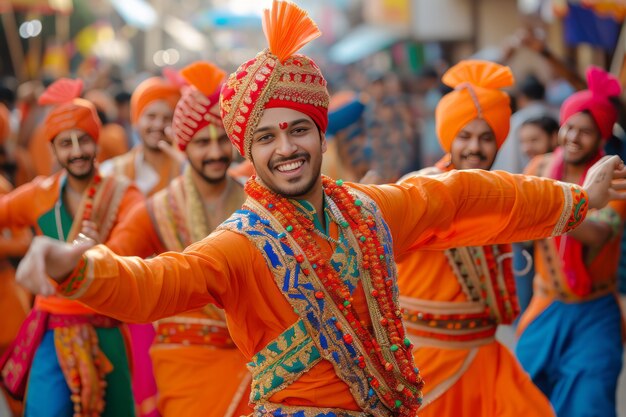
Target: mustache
(223, 160)
(278, 161)
(79, 158)
(476, 154)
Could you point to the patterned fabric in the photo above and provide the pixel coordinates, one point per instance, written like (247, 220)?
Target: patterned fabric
(322, 318)
(199, 105)
(282, 361)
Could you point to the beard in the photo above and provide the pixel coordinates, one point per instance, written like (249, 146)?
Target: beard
(302, 189)
(211, 180)
(80, 176)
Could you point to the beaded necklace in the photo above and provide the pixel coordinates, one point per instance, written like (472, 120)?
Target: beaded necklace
(88, 207)
(352, 219)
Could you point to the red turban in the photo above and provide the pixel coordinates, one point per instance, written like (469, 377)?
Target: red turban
(476, 95)
(199, 105)
(152, 89)
(71, 112)
(276, 77)
(595, 100)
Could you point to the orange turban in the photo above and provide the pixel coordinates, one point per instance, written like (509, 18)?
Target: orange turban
(276, 77)
(476, 95)
(4, 123)
(71, 112)
(152, 89)
(199, 105)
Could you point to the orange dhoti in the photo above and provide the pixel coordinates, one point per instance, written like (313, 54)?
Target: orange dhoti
(486, 378)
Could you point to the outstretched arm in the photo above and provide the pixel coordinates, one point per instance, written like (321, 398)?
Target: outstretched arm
(129, 288)
(470, 208)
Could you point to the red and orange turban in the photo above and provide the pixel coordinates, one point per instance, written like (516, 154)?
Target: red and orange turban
(476, 95)
(595, 100)
(276, 77)
(70, 111)
(5, 121)
(199, 105)
(150, 90)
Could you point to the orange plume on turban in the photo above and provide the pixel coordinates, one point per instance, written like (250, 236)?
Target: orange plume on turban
(4, 123)
(70, 111)
(199, 105)
(276, 77)
(150, 90)
(476, 95)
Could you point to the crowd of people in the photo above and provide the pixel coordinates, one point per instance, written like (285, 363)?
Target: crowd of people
(251, 244)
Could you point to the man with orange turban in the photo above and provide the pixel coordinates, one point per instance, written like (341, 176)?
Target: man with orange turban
(453, 300)
(305, 271)
(147, 164)
(191, 349)
(571, 338)
(71, 360)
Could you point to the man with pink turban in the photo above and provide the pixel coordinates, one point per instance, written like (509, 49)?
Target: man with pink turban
(453, 300)
(571, 334)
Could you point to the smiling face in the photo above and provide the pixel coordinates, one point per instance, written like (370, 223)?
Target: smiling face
(286, 151)
(152, 123)
(76, 152)
(474, 147)
(580, 138)
(210, 153)
(534, 140)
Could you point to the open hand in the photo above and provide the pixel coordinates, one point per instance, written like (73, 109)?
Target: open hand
(605, 181)
(52, 258)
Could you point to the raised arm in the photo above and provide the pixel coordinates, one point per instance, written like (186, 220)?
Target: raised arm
(470, 208)
(132, 289)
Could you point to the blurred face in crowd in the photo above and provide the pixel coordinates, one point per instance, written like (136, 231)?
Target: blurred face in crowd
(152, 122)
(286, 151)
(580, 138)
(210, 153)
(535, 141)
(474, 147)
(76, 152)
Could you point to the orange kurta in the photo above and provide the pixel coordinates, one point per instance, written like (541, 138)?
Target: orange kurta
(185, 371)
(14, 300)
(453, 210)
(439, 299)
(24, 207)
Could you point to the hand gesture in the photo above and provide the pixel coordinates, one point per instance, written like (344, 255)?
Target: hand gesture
(604, 181)
(52, 258)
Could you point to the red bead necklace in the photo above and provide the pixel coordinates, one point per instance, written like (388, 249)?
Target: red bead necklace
(374, 260)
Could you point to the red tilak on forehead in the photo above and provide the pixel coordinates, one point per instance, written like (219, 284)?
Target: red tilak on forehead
(283, 125)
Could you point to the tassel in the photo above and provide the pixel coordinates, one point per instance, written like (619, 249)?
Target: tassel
(479, 73)
(203, 75)
(61, 91)
(287, 28)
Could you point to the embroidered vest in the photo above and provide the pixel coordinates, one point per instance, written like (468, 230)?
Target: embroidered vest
(316, 334)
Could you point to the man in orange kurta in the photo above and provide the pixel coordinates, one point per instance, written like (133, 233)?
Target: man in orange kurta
(571, 335)
(192, 348)
(453, 300)
(152, 106)
(305, 271)
(74, 359)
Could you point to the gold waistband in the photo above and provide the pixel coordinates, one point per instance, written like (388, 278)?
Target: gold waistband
(450, 325)
(271, 409)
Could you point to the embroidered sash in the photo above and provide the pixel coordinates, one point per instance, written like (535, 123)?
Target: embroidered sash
(320, 318)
